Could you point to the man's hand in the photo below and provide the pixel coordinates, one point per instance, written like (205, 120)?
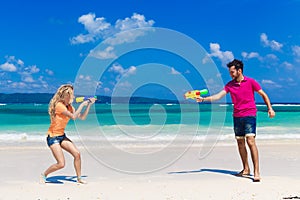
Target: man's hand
(271, 113)
(200, 99)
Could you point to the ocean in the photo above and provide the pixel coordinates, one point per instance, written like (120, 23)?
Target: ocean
(147, 122)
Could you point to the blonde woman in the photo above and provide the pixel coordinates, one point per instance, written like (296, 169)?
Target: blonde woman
(61, 111)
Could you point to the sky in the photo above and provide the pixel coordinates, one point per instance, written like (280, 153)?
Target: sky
(43, 44)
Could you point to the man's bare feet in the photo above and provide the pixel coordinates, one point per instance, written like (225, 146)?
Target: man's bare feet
(256, 178)
(243, 173)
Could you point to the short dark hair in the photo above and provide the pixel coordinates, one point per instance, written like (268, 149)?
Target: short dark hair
(237, 63)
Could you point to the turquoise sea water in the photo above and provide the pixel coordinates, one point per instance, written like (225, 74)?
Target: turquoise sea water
(29, 122)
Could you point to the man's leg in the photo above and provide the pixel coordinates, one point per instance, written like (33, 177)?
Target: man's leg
(244, 156)
(254, 155)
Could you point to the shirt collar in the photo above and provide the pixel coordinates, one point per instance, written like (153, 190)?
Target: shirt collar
(244, 80)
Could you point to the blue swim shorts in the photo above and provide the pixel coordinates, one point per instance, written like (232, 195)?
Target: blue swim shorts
(56, 139)
(244, 126)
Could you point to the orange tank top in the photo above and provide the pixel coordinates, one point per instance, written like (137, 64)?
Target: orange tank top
(60, 121)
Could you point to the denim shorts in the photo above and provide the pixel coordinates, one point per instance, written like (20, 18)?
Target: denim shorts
(56, 139)
(244, 126)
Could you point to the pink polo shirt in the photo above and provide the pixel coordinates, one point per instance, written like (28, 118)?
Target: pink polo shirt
(242, 96)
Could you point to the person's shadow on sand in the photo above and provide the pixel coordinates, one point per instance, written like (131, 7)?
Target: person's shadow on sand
(220, 171)
(61, 179)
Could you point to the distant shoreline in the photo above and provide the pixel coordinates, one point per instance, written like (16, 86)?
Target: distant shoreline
(44, 98)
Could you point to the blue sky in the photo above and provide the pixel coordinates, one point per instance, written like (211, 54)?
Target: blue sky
(43, 43)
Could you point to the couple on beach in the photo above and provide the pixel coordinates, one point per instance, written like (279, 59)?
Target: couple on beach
(241, 89)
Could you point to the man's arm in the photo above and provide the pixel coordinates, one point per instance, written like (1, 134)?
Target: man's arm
(266, 99)
(215, 97)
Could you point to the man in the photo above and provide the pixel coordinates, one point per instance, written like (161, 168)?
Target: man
(241, 89)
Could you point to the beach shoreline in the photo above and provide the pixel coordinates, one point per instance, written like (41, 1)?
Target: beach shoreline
(187, 177)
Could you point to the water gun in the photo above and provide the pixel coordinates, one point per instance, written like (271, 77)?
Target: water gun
(81, 99)
(195, 94)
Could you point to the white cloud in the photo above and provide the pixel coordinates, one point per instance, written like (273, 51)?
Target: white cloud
(125, 84)
(98, 28)
(99, 84)
(274, 45)
(26, 74)
(87, 84)
(43, 83)
(81, 39)
(124, 37)
(106, 54)
(20, 62)
(32, 69)
(107, 90)
(135, 21)
(120, 72)
(287, 65)
(85, 78)
(19, 85)
(118, 69)
(9, 67)
(21, 78)
(296, 52)
(267, 82)
(271, 57)
(49, 72)
(28, 79)
(251, 55)
(94, 26)
(270, 84)
(223, 56)
(174, 72)
(131, 70)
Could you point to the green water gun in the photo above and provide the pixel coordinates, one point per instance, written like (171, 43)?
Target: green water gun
(194, 94)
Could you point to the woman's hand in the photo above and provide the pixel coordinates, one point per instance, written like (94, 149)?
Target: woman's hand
(90, 101)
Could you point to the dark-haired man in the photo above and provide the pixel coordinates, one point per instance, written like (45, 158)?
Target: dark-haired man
(241, 89)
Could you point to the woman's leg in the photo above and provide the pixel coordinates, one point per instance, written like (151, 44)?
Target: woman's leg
(59, 157)
(72, 149)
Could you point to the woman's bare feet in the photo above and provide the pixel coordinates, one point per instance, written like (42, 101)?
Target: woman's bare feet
(43, 178)
(80, 181)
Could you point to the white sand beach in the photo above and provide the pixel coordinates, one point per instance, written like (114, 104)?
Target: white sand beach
(187, 178)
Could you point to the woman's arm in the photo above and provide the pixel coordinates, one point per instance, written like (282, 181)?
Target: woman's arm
(77, 113)
(83, 116)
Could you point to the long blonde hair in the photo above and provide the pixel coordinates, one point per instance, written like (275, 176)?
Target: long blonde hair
(59, 96)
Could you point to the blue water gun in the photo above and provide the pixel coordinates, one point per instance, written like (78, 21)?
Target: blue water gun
(81, 99)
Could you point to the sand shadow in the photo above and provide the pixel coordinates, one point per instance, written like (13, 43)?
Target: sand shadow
(219, 171)
(61, 179)
(292, 197)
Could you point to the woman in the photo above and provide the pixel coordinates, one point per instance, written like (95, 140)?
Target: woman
(61, 111)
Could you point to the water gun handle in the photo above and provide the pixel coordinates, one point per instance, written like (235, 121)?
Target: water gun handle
(194, 94)
(82, 99)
